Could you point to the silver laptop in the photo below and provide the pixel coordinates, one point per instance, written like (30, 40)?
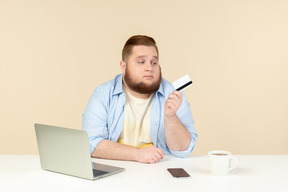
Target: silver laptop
(66, 151)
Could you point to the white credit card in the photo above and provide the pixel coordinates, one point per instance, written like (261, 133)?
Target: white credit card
(182, 83)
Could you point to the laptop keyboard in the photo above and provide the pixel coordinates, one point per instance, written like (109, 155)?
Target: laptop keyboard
(98, 172)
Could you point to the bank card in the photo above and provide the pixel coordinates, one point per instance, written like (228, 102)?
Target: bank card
(182, 83)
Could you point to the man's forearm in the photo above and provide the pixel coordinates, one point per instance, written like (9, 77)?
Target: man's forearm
(107, 149)
(177, 136)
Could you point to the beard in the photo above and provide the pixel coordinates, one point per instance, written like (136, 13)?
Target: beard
(141, 87)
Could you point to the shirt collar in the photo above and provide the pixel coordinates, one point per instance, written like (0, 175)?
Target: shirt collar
(161, 88)
(118, 85)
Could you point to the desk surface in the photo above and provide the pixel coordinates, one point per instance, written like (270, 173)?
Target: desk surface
(254, 173)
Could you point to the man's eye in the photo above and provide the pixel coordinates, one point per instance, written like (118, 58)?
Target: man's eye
(154, 63)
(141, 62)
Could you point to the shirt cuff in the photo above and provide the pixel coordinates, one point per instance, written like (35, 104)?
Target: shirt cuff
(188, 151)
(182, 154)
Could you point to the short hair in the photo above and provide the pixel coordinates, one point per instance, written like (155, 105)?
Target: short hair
(137, 40)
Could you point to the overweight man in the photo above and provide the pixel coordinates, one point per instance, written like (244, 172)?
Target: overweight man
(138, 115)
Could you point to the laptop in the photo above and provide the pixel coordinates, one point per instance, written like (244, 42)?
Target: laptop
(66, 151)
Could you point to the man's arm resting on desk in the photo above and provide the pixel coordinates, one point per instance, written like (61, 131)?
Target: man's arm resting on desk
(107, 149)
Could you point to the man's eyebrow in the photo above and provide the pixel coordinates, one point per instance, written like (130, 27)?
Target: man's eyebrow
(140, 56)
(143, 56)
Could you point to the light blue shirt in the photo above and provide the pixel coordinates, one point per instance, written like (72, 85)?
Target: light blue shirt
(104, 116)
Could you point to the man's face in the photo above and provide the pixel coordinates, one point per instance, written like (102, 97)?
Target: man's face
(142, 72)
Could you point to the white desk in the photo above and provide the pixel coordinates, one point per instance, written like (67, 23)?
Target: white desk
(254, 173)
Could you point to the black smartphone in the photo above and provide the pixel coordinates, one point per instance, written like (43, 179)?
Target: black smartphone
(178, 172)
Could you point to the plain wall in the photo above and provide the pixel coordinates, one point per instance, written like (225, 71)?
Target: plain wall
(53, 54)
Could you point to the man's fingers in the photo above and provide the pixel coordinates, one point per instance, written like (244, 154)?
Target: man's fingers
(151, 154)
(176, 94)
(160, 152)
(171, 105)
(175, 99)
(154, 159)
(158, 156)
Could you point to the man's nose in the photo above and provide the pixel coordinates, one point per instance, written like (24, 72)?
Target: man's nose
(148, 67)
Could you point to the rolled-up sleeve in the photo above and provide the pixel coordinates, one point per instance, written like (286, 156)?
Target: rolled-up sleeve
(185, 116)
(94, 120)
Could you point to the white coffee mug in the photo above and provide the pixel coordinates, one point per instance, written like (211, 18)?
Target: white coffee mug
(220, 162)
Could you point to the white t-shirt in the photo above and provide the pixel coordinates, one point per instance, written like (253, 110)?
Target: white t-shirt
(136, 130)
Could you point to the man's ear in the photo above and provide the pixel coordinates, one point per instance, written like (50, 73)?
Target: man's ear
(123, 66)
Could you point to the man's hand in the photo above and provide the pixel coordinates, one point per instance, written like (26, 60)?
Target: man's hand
(150, 154)
(172, 104)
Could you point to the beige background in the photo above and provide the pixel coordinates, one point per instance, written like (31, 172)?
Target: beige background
(54, 53)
